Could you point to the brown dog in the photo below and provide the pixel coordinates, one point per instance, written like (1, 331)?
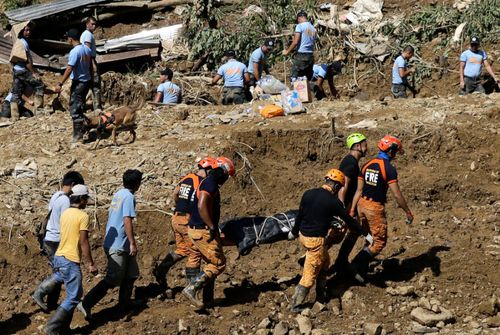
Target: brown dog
(112, 120)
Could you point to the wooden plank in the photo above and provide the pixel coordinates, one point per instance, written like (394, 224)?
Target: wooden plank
(113, 57)
(125, 4)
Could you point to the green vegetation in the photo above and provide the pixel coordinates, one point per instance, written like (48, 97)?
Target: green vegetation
(13, 4)
(208, 35)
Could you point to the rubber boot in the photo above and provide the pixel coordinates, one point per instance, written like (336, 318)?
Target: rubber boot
(53, 297)
(160, 272)
(208, 293)
(321, 293)
(191, 274)
(77, 132)
(359, 265)
(298, 298)
(92, 298)
(38, 105)
(341, 264)
(14, 111)
(46, 287)
(59, 322)
(192, 290)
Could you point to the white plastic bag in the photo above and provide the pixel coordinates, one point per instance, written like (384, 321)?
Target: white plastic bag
(271, 85)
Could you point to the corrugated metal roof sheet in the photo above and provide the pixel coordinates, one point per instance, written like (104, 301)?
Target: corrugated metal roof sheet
(42, 10)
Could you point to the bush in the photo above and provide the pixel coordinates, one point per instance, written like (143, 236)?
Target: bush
(14, 4)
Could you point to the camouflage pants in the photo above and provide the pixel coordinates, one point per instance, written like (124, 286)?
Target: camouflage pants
(233, 95)
(399, 91)
(472, 85)
(20, 80)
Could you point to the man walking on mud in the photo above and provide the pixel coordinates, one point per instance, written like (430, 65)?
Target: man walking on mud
(204, 232)
(303, 39)
(120, 247)
(59, 202)
(80, 71)
(376, 177)
(184, 194)
(67, 259)
(471, 65)
(87, 38)
(318, 207)
(400, 73)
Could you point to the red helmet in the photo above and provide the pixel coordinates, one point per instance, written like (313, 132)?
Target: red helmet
(389, 142)
(226, 164)
(208, 163)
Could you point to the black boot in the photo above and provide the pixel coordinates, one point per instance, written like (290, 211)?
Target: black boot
(191, 274)
(341, 264)
(321, 293)
(77, 131)
(92, 298)
(160, 271)
(298, 298)
(192, 290)
(59, 322)
(53, 297)
(47, 287)
(208, 293)
(359, 265)
(124, 296)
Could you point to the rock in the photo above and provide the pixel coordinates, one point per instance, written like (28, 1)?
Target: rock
(306, 312)
(318, 307)
(488, 307)
(147, 261)
(475, 324)
(372, 328)
(281, 328)
(419, 329)
(334, 306)
(440, 324)
(262, 332)
(182, 329)
(493, 322)
(429, 318)
(265, 323)
(473, 166)
(424, 303)
(320, 332)
(305, 325)
(401, 290)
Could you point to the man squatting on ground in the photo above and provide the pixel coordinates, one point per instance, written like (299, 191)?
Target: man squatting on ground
(322, 72)
(74, 242)
(59, 202)
(235, 76)
(23, 75)
(80, 71)
(204, 232)
(376, 177)
(183, 195)
(87, 38)
(120, 247)
(471, 65)
(400, 73)
(168, 92)
(317, 210)
(303, 38)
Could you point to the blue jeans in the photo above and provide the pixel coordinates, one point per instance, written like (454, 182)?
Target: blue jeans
(70, 274)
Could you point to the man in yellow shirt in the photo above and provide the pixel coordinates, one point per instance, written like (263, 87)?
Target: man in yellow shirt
(74, 242)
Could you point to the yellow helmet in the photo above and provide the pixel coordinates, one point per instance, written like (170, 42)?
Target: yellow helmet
(336, 175)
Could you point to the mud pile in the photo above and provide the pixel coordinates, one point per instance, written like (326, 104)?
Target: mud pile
(449, 175)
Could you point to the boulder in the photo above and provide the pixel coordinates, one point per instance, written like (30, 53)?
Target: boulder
(489, 307)
(430, 318)
(281, 328)
(417, 328)
(494, 321)
(305, 325)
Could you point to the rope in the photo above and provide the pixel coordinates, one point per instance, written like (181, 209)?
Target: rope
(258, 234)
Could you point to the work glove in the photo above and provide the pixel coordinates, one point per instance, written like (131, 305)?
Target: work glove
(369, 238)
(213, 234)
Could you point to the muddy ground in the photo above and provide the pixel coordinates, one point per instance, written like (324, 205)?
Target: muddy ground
(449, 174)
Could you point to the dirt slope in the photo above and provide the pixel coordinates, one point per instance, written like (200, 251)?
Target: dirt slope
(449, 174)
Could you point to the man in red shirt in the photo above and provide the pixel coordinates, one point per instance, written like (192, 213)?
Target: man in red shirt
(376, 177)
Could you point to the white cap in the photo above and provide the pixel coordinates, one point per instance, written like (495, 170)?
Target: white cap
(80, 190)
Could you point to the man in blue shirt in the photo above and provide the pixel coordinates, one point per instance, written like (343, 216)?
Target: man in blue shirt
(80, 71)
(24, 74)
(400, 73)
(322, 72)
(120, 247)
(235, 75)
(87, 39)
(303, 38)
(258, 61)
(168, 92)
(471, 64)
